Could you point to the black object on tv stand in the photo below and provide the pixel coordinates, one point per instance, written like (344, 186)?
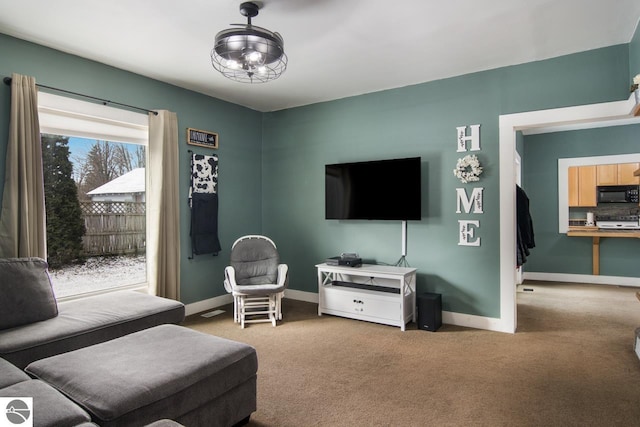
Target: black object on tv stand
(366, 286)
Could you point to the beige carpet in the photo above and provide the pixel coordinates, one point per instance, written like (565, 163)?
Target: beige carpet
(571, 363)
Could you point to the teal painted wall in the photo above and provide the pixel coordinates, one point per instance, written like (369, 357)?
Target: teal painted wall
(634, 55)
(557, 253)
(421, 121)
(239, 130)
(271, 178)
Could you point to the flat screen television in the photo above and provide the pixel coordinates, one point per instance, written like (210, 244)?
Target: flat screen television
(376, 190)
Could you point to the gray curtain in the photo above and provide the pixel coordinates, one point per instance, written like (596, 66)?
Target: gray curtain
(163, 213)
(22, 220)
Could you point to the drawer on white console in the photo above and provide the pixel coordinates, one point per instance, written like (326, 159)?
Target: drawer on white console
(380, 305)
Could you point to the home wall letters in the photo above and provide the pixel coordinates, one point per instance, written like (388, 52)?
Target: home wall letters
(467, 228)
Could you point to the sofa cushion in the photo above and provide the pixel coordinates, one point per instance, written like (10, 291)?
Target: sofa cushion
(85, 322)
(26, 295)
(50, 408)
(161, 372)
(10, 374)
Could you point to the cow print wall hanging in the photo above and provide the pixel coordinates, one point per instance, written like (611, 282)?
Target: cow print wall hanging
(203, 201)
(204, 174)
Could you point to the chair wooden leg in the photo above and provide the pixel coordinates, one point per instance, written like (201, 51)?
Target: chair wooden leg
(235, 309)
(265, 308)
(242, 312)
(273, 308)
(276, 304)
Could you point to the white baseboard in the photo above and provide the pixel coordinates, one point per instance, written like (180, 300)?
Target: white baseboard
(472, 321)
(584, 278)
(448, 317)
(212, 303)
(208, 304)
(301, 296)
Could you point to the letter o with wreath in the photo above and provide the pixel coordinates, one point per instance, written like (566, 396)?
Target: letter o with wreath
(468, 169)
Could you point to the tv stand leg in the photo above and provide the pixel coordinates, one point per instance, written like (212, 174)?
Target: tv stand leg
(402, 262)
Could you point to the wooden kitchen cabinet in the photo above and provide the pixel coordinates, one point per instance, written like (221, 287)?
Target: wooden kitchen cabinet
(573, 186)
(582, 186)
(625, 174)
(617, 174)
(607, 174)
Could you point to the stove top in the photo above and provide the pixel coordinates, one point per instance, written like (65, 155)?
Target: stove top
(633, 218)
(618, 222)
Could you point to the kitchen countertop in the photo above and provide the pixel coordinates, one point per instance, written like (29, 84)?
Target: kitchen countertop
(596, 233)
(577, 231)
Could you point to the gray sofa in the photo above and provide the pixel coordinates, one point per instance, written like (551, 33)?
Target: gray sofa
(33, 326)
(78, 353)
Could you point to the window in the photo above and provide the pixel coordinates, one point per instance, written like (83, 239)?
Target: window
(94, 160)
(563, 180)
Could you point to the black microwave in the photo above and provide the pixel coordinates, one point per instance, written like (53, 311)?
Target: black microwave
(618, 194)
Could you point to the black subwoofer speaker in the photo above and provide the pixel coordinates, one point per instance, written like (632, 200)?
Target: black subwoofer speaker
(429, 309)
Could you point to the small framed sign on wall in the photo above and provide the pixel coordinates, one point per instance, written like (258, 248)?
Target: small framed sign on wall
(202, 138)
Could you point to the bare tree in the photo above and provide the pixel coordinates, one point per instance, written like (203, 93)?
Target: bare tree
(106, 161)
(122, 157)
(141, 157)
(98, 168)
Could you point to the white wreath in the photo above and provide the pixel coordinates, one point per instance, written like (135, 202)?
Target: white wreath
(468, 169)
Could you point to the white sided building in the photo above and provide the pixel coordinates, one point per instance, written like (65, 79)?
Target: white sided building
(129, 187)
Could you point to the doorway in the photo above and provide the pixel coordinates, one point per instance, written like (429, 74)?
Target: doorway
(568, 118)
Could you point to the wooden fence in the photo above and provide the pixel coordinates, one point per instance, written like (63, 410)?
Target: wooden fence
(114, 228)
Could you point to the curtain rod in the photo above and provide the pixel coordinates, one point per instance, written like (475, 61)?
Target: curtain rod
(7, 81)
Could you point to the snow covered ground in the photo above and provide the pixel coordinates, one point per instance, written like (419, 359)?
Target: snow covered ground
(99, 273)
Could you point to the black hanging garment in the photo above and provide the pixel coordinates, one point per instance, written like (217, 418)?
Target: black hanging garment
(203, 199)
(525, 239)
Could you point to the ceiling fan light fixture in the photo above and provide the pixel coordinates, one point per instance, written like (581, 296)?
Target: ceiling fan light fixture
(249, 54)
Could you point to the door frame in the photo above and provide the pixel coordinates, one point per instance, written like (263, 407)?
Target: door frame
(553, 120)
(518, 177)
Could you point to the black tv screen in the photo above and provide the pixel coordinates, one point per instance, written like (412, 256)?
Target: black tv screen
(381, 189)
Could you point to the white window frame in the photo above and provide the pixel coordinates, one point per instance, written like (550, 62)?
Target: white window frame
(60, 115)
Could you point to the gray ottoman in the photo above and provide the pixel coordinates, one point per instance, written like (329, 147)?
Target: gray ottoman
(50, 407)
(167, 371)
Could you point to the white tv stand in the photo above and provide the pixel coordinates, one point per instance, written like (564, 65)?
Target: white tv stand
(375, 293)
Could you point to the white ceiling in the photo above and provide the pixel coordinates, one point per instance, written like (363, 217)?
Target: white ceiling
(336, 48)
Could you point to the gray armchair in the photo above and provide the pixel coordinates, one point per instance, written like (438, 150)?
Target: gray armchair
(256, 279)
